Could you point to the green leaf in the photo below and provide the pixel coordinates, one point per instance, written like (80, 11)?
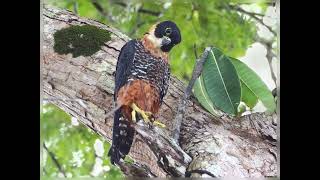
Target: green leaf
(201, 94)
(222, 82)
(247, 96)
(255, 84)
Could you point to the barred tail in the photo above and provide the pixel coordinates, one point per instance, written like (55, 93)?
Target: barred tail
(122, 138)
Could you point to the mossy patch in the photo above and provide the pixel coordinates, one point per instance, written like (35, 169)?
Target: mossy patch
(80, 40)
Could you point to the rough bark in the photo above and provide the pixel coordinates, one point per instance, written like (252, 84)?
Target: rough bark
(215, 146)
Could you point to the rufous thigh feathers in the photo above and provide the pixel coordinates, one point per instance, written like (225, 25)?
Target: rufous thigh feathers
(142, 94)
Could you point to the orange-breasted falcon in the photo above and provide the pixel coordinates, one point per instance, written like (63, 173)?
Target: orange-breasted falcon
(141, 81)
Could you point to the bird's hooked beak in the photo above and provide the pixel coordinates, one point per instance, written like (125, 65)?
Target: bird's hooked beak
(165, 40)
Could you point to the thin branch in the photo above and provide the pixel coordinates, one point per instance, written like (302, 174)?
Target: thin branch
(55, 161)
(140, 10)
(75, 7)
(137, 25)
(271, 3)
(146, 11)
(98, 7)
(269, 56)
(182, 105)
(254, 16)
(195, 50)
(101, 10)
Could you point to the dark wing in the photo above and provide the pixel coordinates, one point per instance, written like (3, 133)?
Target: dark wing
(165, 83)
(125, 61)
(121, 143)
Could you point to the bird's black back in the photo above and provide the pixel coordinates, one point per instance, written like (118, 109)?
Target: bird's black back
(122, 133)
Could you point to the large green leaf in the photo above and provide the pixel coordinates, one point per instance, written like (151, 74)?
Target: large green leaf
(255, 84)
(222, 82)
(201, 94)
(247, 96)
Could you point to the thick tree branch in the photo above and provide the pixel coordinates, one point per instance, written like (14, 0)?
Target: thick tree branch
(221, 146)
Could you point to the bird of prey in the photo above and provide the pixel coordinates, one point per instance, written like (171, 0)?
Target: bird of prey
(141, 82)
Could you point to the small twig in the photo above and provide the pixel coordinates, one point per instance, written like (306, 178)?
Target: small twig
(75, 7)
(269, 56)
(55, 161)
(137, 25)
(149, 12)
(140, 10)
(195, 50)
(183, 102)
(254, 16)
(101, 10)
(98, 7)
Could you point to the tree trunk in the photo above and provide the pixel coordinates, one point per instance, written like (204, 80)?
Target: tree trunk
(214, 146)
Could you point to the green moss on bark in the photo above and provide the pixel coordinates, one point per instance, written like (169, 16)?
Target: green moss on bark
(80, 40)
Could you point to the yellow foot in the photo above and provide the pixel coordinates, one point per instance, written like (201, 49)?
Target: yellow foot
(133, 116)
(145, 115)
(157, 123)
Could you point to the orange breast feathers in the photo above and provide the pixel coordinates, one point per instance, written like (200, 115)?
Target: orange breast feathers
(142, 94)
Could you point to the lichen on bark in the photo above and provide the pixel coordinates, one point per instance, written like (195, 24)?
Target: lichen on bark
(79, 40)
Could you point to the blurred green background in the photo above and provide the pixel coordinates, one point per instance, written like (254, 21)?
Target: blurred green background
(71, 149)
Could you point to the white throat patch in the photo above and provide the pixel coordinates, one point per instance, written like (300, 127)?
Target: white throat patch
(152, 38)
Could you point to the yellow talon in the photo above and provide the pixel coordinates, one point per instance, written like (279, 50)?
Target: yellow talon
(145, 115)
(157, 123)
(133, 116)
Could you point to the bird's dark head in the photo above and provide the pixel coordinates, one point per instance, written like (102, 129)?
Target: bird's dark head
(165, 35)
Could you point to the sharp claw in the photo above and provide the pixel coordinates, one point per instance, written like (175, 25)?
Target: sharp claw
(133, 116)
(157, 123)
(145, 115)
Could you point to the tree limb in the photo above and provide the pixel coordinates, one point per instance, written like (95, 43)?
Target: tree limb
(269, 56)
(182, 105)
(221, 146)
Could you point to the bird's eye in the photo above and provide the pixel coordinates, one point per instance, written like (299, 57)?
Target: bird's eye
(168, 31)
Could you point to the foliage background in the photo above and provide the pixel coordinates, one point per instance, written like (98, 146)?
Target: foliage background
(73, 150)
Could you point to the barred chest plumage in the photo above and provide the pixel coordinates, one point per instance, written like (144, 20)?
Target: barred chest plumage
(150, 68)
